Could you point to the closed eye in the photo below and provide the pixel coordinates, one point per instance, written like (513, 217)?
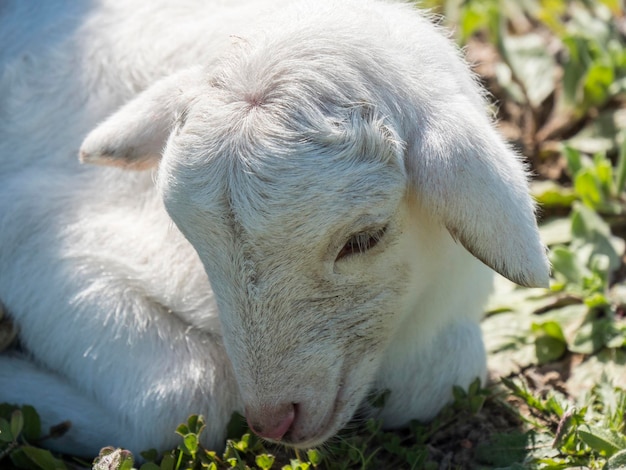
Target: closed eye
(361, 242)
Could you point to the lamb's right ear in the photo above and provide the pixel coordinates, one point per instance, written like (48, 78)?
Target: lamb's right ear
(467, 177)
(135, 135)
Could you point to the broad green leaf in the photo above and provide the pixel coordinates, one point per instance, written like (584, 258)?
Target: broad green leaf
(182, 429)
(504, 449)
(549, 341)
(20, 460)
(604, 171)
(44, 460)
(605, 441)
(504, 77)
(599, 263)
(476, 403)
(597, 82)
(609, 363)
(196, 424)
(169, 460)
(549, 328)
(556, 231)
(472, 22)
(574, 70)
(565, 265)
(531, 64)
(32, 423)
(314, 457)
(616, 462)
(17, 423)
(5, 410)
(592, 336)
(596, 300)
(459, 393)
(150, 455)
(550, 13)
(617, 341)
(192, 423)
(236, 426)
(591, 26)
(191, 443)
(548, 349)
(509, 342)
(550, 194)
(574, 160)
(265, 461)
(601, 133)
(588, 188)
(475, 387)
(555, 405)
(5, 431)
(242, 444)
(480, 15)
(590, 229)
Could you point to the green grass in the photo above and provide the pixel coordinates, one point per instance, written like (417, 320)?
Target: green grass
(556, 400)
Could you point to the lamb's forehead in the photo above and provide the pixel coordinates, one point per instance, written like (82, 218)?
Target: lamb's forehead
(312, 195)
(279, 173)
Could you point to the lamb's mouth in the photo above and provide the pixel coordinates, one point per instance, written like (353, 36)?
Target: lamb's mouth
(336, 419)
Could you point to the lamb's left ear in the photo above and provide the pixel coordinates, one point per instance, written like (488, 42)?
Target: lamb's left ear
(136, 134)
(464, 173)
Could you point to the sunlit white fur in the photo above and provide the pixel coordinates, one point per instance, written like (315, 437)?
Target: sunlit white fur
(249, 140)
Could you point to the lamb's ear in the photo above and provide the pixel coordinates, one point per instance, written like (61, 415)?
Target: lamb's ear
(477, 186)
(135, 135)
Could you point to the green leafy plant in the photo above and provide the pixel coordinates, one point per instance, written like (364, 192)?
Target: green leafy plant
(242, 452)
(20, 433)
(368, 447)
(591, 435)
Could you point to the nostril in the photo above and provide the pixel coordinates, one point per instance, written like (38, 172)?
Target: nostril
(271, 422)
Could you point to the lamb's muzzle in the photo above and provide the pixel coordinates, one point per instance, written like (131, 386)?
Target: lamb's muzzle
(271, 422)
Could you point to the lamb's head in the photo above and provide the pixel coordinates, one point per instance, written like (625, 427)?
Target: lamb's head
(319, 192)
(301, 237)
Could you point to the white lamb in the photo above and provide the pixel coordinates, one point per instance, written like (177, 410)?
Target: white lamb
(330, 165)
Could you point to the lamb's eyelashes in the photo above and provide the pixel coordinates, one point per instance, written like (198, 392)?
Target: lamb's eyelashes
(361, 242)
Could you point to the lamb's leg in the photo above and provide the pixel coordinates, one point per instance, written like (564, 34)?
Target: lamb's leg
(421, 377)
(104, 318)
(134, 403)
(25, 383)
(124, 380)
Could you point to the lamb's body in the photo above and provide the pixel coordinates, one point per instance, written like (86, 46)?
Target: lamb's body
(118, 326)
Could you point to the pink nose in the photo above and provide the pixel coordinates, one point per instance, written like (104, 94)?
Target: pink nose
(271, 422)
